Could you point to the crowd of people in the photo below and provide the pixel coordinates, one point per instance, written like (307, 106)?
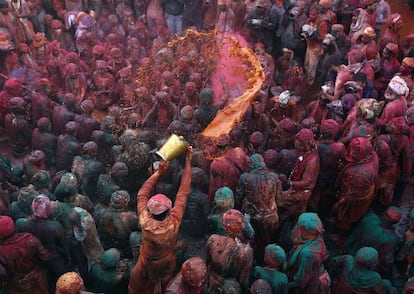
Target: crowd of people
(309, 193)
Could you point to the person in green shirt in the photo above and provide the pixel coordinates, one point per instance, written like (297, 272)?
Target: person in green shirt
(275, 259)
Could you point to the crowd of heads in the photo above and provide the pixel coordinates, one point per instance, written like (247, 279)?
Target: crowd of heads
(309, 193)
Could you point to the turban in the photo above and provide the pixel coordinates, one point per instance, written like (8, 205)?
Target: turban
(69, 99)
(393, 18)
(310, 222)
(398, 86)
(187, 112)
(80, 16)
(358, 150)
(288, 125)
(305, 135)
(64, 190)
(194, 271)
(256, 138)
(308, 123)
(98, 50)
(90, 148)
(125, 72)
(13, 86)
(284, 98)
(26, 195)
(367, 256)
(120, 199)
(348, 101)
(43, 123)
(71, 68)
(70, 179)
(206, 95)
(6, 226)
(366, 109)
(337, 27)
(270, 157)
(224, 198)
(71, 127)
(329, 127)
(43, 82)
(87, 106)
(233, 221)
(256, 161)
(134, 43)
(54, 45)
(274, 255)
(393, 214)
(23, 48)
(140, 25)
(17, 103)
(41, 179)
(231, 285)
(41, 206)
(408, 61)
(69, 283)
(110, 258)
(56, 24)
(119, 168)
(392, 47)
(4, 41)
(369, 32)
(158, 204)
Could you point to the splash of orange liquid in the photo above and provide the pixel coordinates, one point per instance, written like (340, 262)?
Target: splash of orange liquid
(234, 112)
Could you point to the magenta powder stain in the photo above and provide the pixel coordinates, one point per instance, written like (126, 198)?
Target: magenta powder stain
(229, 68)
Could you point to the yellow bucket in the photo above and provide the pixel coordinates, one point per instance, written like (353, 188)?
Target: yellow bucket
(172, 148)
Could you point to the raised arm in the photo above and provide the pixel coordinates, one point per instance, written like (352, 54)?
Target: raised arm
(185, 186)
(144, 192)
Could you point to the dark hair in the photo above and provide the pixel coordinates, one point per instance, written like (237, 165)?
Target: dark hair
(331, 60)
(360, 77)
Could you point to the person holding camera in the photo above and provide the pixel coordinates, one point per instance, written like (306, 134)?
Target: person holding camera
(262, 24)
(313, 32)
